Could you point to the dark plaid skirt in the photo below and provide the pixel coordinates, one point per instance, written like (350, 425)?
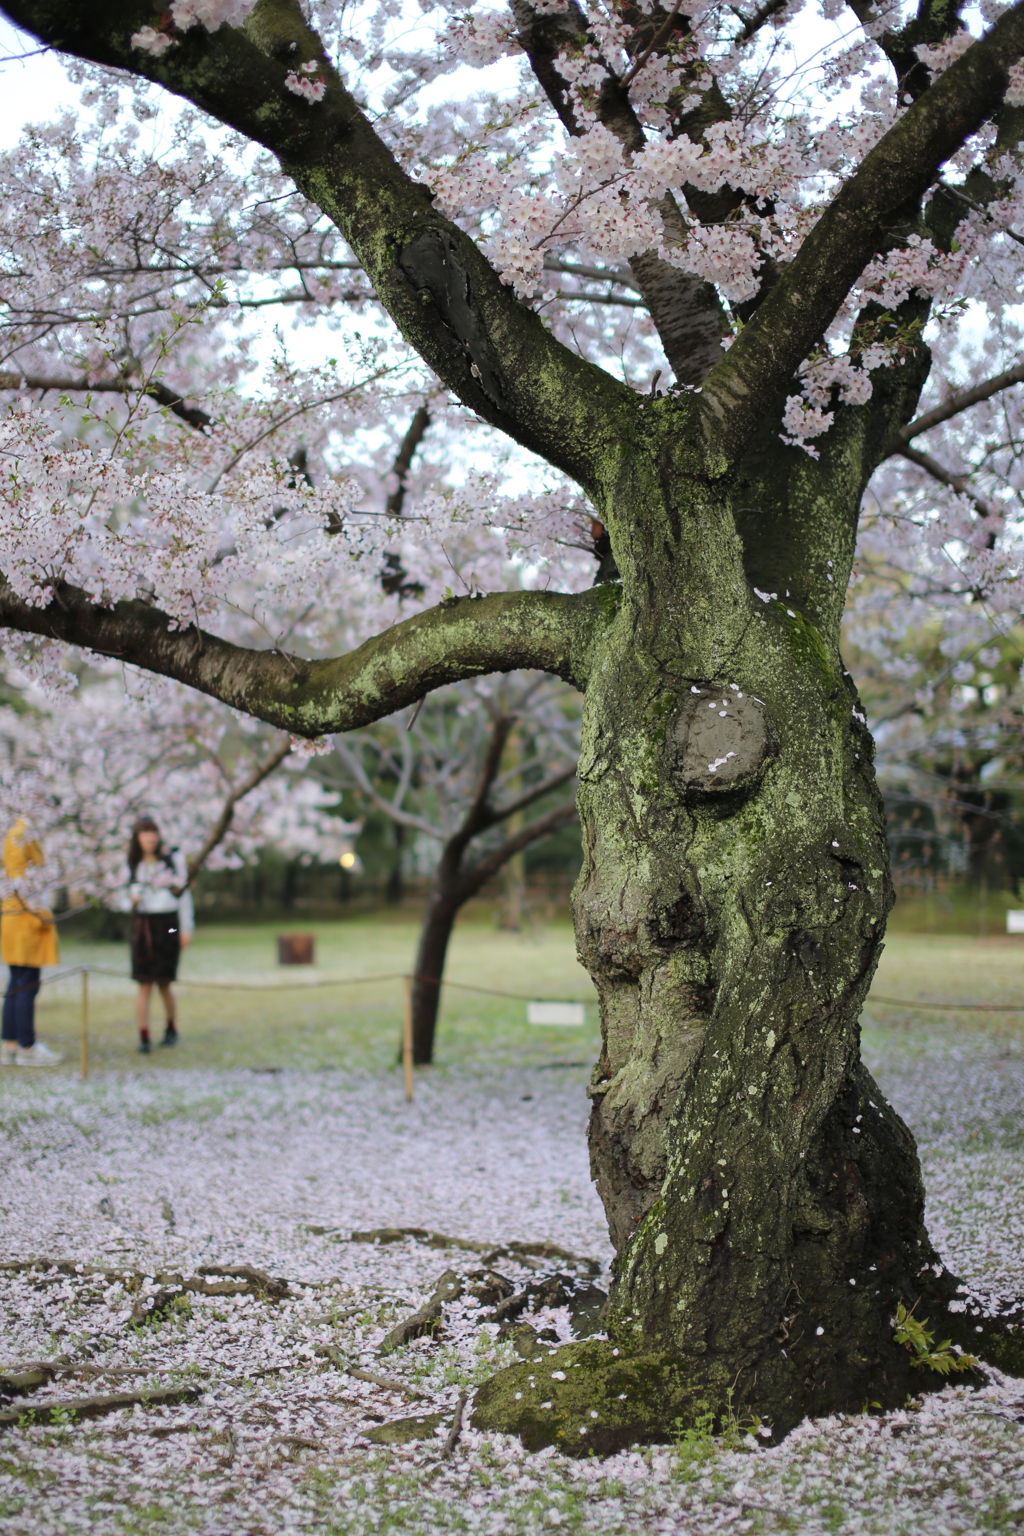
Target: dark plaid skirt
(156, 946)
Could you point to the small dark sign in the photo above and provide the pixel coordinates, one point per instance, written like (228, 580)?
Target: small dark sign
(295, 948)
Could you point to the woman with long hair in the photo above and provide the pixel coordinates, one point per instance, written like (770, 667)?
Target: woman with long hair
(162, 926)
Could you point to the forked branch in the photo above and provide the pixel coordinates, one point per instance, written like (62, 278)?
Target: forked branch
(752, 379)
(957, 403)
(448, 301)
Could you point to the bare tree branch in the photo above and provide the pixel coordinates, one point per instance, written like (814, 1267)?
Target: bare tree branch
(945, 476)
(503, 812)
(477, 875)
(221, 826)
(961, 401)
(390, 808)
(122, 385)
(461, 637)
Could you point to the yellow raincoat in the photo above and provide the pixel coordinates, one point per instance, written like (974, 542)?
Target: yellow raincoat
(27, 936)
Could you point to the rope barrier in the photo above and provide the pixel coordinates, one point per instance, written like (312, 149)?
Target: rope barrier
(84, 971)
(309, 986)
(465, 986)
(906, 1002)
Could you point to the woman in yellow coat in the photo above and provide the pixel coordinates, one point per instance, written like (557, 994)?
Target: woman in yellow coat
(28, 941)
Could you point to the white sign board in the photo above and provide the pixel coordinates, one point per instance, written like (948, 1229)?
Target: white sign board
(570, 1015)
(1015, 922)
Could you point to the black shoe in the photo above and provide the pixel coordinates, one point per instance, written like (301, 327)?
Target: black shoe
(170, 1034)
(144, 1046)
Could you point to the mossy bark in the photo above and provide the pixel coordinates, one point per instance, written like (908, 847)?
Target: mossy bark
(764, 1199)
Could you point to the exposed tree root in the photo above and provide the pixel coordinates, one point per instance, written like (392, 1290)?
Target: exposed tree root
(389, 1383)
(428, 1318)
(520, 1252)
(20, 1380)
(211, 1280)
(62, 1410)
(456, 1429)
(398, 1431)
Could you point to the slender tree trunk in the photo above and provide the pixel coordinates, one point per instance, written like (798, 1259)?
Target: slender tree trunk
(395, 889)
(453, 885)
(512, 910)
(431, 954)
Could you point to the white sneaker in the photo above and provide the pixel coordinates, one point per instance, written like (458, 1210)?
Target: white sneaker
(38, 1055)
(8, 1053)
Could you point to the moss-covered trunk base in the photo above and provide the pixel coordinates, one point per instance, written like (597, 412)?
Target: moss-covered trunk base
(591, 1398)
(834, 1350)
(594, 1398)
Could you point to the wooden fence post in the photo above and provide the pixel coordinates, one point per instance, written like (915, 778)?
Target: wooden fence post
(407, 1040)
(84, 1044)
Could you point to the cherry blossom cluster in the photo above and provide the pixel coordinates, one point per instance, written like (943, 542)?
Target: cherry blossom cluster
(307, 83)
(120, 747)
(211, 14)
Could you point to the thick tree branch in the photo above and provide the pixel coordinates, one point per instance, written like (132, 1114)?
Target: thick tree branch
(935, 20)
(750, 382)
(753, 24)
(438, 287)
(163, 395)
(462, 637)
(220, 828)
(961, 401)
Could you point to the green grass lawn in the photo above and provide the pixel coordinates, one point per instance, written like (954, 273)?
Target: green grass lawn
(359, 1026)
(946, 969)
(306, 1026)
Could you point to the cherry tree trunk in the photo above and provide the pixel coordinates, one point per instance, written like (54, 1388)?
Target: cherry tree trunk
(431, 954)
(764, 1200)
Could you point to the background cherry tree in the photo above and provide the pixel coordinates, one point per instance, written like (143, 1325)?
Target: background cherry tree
(222, 786)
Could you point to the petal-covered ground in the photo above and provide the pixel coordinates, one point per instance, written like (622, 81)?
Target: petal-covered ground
(249, 1404)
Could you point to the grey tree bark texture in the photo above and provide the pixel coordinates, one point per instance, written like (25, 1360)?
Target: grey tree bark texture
(765, 1201)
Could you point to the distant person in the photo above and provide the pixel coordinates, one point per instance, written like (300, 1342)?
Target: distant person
(162, 926)
(28, 941)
